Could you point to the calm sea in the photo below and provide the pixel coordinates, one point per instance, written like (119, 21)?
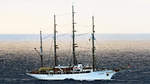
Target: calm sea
(29, 37)
(11, 73)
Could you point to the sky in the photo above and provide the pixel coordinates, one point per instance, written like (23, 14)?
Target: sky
(111, 16)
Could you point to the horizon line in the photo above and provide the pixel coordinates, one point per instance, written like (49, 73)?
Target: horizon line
(65, 33)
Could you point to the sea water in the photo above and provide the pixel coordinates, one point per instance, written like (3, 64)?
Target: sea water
(13, 71)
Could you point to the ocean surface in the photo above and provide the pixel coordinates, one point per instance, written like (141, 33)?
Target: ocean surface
(26, 37)
(14, 63)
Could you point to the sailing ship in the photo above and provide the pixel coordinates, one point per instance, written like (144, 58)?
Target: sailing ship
(76, 71)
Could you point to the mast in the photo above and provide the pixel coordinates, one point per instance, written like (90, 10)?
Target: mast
(93, 44)
(41, 49)
(73, 38)
(55, 45)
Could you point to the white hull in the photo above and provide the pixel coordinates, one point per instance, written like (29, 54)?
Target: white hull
(98, 75)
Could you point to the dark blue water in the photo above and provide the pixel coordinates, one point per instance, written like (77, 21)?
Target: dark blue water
(26, 81)
(34, 81)
(12, 70)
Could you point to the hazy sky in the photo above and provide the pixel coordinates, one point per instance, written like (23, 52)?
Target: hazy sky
(111, 16)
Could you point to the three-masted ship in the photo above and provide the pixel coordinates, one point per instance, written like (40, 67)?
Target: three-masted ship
(76, 71)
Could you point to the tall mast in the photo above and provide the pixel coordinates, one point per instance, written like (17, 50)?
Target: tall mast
(41, 49)
(55, 45)
(93, 44)
(73, 38)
